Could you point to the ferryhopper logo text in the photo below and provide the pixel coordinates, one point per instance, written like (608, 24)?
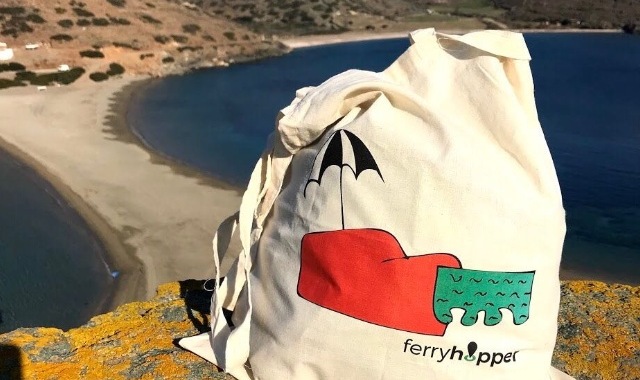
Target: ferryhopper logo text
(472, 354)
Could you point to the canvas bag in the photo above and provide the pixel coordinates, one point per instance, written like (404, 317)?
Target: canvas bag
(406, 224)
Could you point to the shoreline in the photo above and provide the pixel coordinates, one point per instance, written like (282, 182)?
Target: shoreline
(155, 220)
(347, 37)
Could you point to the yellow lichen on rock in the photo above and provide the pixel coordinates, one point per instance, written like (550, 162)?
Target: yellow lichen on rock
(597, 338)
(598, 332)
(136, 341)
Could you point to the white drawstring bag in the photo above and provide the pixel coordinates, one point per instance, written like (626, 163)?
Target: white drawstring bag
(406, 224)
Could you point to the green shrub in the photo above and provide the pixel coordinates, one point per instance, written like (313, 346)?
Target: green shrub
(149, 20)
(189, 48)
(7, 83)
(35, 18)
(98, 76)
(60, 10)
(12, 11)
(115, 69)
(180, 38)
(100, 21)
(207, 37)
(161, 39)
(25, 75)
(125, 45)
(82, 12)
(70, 76)
(230, 35)
(44, 79)
(12, 66)
(146, 55)
(119, 21)
(61, 37)
(117, 3)
(168, 60)
(91, 54)
(191, 28)
(66, 23)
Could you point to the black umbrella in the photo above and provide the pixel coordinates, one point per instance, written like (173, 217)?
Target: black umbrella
(333, 155)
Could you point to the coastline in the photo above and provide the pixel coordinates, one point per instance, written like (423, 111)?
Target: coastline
(346, 37)
(155, 219)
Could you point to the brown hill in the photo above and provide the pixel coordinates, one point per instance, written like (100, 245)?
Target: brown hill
(591, 14)
(152, 37)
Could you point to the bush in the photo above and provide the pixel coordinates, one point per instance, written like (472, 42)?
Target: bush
(149, 20)
(207, 37)
(82, 12)
(66, 23)
(146, 55)
(168, 60)
(35, 18)
(100, 21)
(190, 28)
(230, 35)
(119, 21)
(70, 76)
(91, 54)
(25, 75)
(83, 22)
(98, 76)
(161, 39)
(60, 10)
(125, 45)
(12, 11)
(115, 69)
(189, 48)
(179, 38)
(61, 37)
(12, 66)
(117, 3)
(43, 79)
(7, 83)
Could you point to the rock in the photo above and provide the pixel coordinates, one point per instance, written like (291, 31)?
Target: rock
(598, 330)
(136, 341)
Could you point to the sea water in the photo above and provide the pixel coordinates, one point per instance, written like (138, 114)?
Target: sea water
(52, 272)
(587, 91)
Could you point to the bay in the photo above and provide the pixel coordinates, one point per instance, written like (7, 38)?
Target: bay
(587, 92)
(52, 272)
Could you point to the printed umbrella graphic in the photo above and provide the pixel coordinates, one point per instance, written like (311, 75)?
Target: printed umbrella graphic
(337, 153)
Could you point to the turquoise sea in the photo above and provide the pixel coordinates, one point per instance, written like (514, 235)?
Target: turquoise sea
(217, 120)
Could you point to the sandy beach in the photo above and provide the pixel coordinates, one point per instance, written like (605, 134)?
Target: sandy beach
(329, 39)
(156, 218)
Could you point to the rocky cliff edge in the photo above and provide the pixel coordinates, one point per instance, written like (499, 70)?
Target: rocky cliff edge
(598, 338)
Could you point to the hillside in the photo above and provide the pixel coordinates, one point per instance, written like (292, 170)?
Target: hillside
(146, 37)
(159, 37)
(592, 14)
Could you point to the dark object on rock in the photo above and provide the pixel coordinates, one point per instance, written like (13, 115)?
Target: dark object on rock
(168, 60)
